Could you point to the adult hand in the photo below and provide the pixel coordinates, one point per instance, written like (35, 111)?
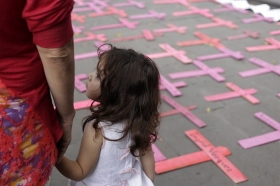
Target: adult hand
(65, 140)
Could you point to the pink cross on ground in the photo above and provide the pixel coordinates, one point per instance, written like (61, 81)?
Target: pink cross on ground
(84, 104)
(225, 53)
(186, 160)
(217, 157)
(91, 54)
(217, 22)
(77, 29)
(172, 28)
(264, 138)
(237, 92)
(130, 3)
(273, 45)
(110, 11)
(194, 10)
(182, 2)
(228, 8)
(183, 111)
(91, 36)
(151, 14)
(266, 68)
(278, 94)
(257, 18)
(172, 88)
(173, 112)
(203, 39)
(274, 33)
(171, 52)
(245, 34)
(123, 23)
(195, 1)
(76, 17)
(204, 70)
(96, 6)
(159, 156)
(78, 82)
(146, 34)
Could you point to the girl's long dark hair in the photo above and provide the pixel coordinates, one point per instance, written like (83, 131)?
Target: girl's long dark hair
(129, 92)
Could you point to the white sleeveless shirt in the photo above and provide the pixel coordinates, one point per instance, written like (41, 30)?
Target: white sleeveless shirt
(116, 165)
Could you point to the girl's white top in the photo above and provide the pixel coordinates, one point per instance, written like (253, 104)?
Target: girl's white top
(116, 165)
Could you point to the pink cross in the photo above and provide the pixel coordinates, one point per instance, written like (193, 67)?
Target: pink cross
(171, 87)
(159, 156)
(91, 36)
(266, 68)
(218, 158)
(273, 45)
(84, 104)
(195, 1)
(274, 33)
(111, 11)
(172, 28)
(123, 23)
(194, 10)
(225, 53)
(203, 39)
(77, 29)
(91, 6)
(173, 112)
(237, 92)
(91, 54)
(257, 18)
(245, 34)
(151, 14)
(80, 2)
(184, 111)
(187, 160)
(278, 94)
(205, 70)
(264, 138)
(78, 82)
(170, 51)
(130, 3)
(146, 34)
(182, 2)
(76, 17)
(217, 22)
(228, 8)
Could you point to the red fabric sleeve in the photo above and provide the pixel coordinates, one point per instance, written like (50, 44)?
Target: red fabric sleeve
(49, 21)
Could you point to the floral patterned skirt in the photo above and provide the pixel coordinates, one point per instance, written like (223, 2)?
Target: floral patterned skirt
(27, 148)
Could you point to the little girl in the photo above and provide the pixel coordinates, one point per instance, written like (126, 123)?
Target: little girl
(116, 145)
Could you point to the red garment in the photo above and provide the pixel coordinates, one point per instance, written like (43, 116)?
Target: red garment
(28, 124)
(24, 23)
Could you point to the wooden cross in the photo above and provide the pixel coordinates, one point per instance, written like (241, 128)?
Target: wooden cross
(110, 11)
(273, 45)
(217, 22)
(245, 34)
(172, 88)
(264, 138)
(91, 36)
(187, 113)
(266, 68)
(182, 2)
(204, 70)
(203, 39)
(172, 28)
(228, 8)
(146, 34)
(151, 14)
(130, 3)
(79, 18)
(194, 10)
(78, 82)
(257, 18)
(225, 53)
(237, 92)
(171, 52)
(123, 23)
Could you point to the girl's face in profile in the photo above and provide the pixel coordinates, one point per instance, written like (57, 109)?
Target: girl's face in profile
(93, 83)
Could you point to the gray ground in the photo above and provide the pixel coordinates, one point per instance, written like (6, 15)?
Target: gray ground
(227, 122)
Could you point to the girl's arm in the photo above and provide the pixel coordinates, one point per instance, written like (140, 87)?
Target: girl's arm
(148, 163)
(87, 158)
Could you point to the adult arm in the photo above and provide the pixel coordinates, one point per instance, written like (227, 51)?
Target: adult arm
(59, 67)
(148, 163)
